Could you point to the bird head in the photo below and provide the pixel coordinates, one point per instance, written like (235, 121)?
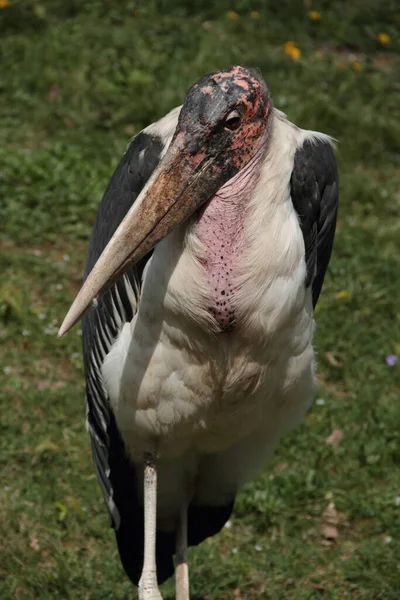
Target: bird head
(223, 123)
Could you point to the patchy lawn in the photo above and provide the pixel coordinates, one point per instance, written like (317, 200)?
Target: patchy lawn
(78, 80)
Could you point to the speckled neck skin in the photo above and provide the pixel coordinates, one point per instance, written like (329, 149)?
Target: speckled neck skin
(220, 228)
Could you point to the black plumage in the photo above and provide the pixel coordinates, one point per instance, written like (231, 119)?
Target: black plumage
(100, 327)
(315, 192)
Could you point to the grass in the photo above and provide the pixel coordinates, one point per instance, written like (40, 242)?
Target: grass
(78, 80)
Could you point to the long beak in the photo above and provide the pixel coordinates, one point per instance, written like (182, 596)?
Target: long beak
(179, 185)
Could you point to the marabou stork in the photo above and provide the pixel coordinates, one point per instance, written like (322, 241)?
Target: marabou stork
(205, 263)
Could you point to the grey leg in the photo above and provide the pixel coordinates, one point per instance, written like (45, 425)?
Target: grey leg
(182, 568)
(148, 586)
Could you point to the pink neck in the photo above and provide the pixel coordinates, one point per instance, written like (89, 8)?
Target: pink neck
(220, 228)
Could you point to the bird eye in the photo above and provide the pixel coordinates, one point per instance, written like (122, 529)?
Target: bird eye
(232, 121)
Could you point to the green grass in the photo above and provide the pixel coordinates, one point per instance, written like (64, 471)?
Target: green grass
(78, 80)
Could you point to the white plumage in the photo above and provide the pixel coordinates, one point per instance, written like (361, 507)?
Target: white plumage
(166, 375)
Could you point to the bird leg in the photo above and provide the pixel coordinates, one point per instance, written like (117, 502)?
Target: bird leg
(181, 567)
(148, 586)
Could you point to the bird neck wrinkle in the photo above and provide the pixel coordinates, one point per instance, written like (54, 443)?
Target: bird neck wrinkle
(219, 227)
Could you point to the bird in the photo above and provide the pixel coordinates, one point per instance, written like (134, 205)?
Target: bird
(205, 263)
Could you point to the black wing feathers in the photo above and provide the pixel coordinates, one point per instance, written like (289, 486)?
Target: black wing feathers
(100, 327)
(135, 168)
(117, 306)
(315, 193)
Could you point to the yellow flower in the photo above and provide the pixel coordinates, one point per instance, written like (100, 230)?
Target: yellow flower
(356, 66)
(3, 3)
(342, 294)
(232, 15)
(255, 14)
(291, 50)
(314, 15)
(383, 38)
(295, 53)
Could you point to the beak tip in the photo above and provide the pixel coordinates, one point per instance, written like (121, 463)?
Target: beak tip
(62, 331)
(66, 325)
(77, 309)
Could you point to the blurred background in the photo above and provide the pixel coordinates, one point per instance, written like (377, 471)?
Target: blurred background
(78, 79)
